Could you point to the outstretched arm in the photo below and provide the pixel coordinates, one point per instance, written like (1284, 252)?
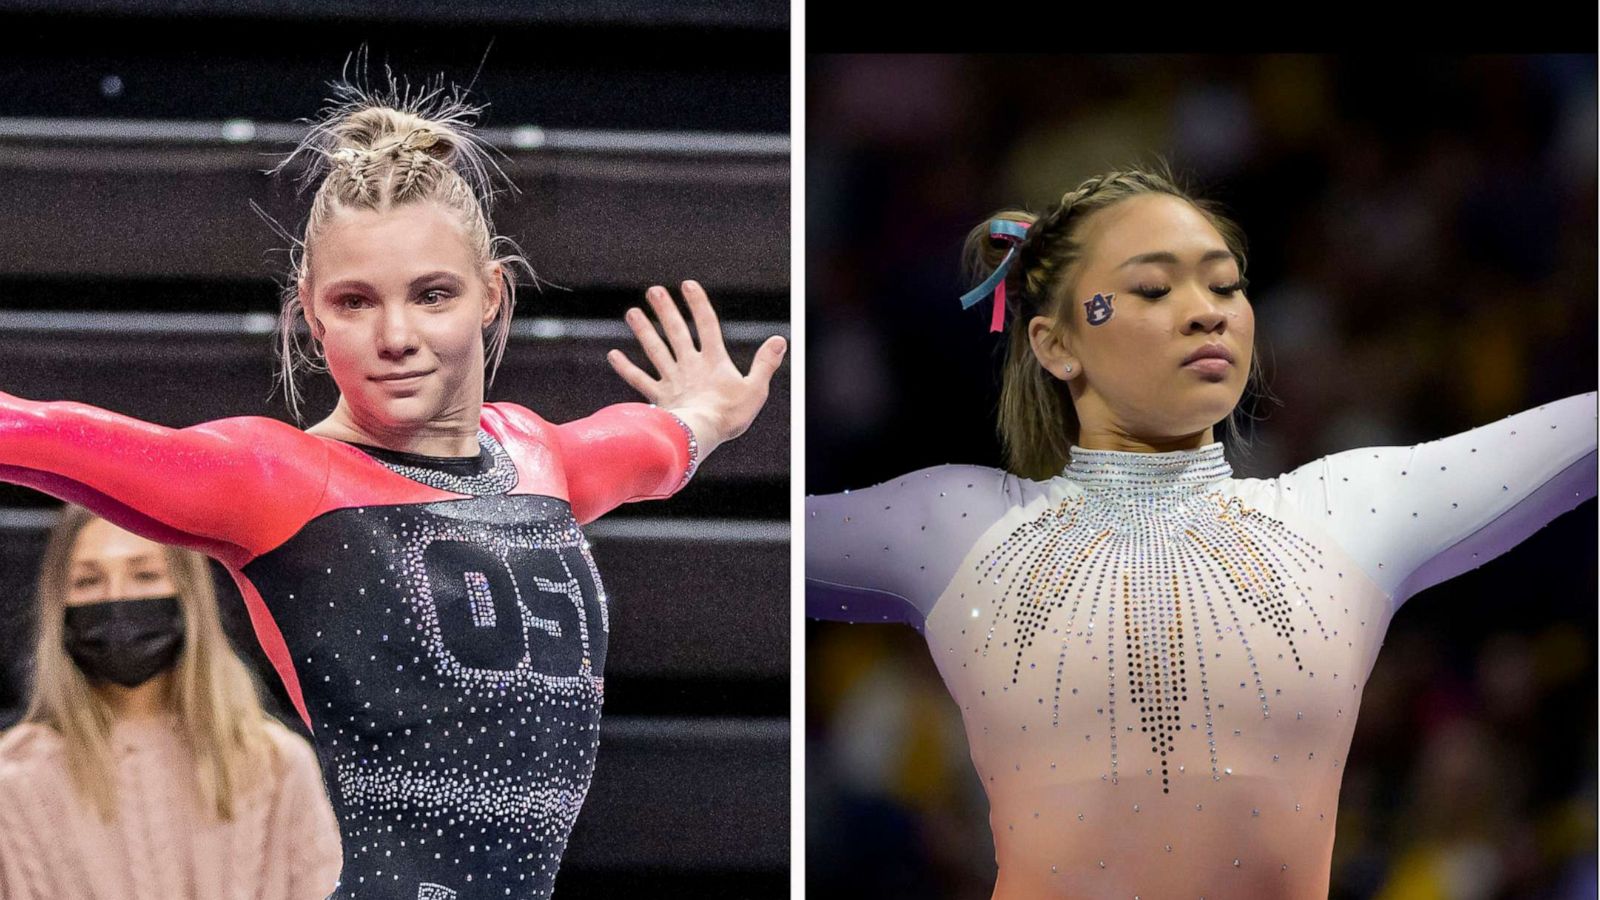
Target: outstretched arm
(232, 488)
(635, 451)
(1416, 516)
(887, 552)
(700, 385)
(624, 452)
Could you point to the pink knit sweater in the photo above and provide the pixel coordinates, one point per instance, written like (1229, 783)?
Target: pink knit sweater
(283, 843)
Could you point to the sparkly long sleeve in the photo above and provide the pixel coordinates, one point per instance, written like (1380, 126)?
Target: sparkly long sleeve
(1416, 516)
(232, 488)
(885, 553)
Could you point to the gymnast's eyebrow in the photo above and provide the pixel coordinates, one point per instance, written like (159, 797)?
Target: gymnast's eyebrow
(357, 284)
(1162, 256)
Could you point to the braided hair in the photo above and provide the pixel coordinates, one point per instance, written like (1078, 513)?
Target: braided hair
(1037, 422)
(376, 150)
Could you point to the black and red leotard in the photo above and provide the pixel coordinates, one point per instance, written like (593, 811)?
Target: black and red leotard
(438, 623)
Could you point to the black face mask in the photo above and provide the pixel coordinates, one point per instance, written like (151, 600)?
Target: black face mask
(127, 642)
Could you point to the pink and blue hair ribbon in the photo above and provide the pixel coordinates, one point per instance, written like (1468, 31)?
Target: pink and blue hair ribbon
(1012, 233)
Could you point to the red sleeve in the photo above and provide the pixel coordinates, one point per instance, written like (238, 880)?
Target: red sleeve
(232, 488)
(624, 452)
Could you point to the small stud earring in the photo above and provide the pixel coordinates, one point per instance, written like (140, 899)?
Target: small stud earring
(1068, 370)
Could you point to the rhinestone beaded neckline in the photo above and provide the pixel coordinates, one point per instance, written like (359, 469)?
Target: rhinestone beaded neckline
(1177, 470)
(497, 473)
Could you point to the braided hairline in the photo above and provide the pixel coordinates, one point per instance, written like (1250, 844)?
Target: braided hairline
(1035, 264)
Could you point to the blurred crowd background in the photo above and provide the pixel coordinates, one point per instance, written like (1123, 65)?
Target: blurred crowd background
(1422, 260)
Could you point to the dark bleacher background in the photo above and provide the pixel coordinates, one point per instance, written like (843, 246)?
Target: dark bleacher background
(1422, 260)
(649, 140)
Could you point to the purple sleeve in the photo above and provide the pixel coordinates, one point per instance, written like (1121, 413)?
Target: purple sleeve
(885, 553)
(1416, 516)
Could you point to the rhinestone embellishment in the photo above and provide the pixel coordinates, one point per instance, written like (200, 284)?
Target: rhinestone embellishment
(500, 477)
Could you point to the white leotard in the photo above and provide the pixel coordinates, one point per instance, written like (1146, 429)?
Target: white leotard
(1159, 665)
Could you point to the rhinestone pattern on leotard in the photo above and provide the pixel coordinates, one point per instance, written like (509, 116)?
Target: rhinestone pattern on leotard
(499, 477)
(1158, 665)
(1137, 544)
(451, 655)
(694, 446)
(1145, 660)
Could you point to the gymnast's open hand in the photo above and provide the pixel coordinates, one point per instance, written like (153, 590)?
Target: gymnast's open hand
(701, 385)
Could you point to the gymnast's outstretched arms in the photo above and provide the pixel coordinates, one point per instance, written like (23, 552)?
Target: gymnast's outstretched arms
(235, 488)
(1416, 516)
(232, 488)
(1412, 517)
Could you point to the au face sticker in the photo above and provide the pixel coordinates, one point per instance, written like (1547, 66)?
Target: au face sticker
(1099, 308)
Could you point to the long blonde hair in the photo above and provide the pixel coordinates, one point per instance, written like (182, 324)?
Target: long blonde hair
(215, 697)
(1037, 422)
(377, 150)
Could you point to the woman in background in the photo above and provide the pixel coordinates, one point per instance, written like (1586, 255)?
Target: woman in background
(145, 766)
